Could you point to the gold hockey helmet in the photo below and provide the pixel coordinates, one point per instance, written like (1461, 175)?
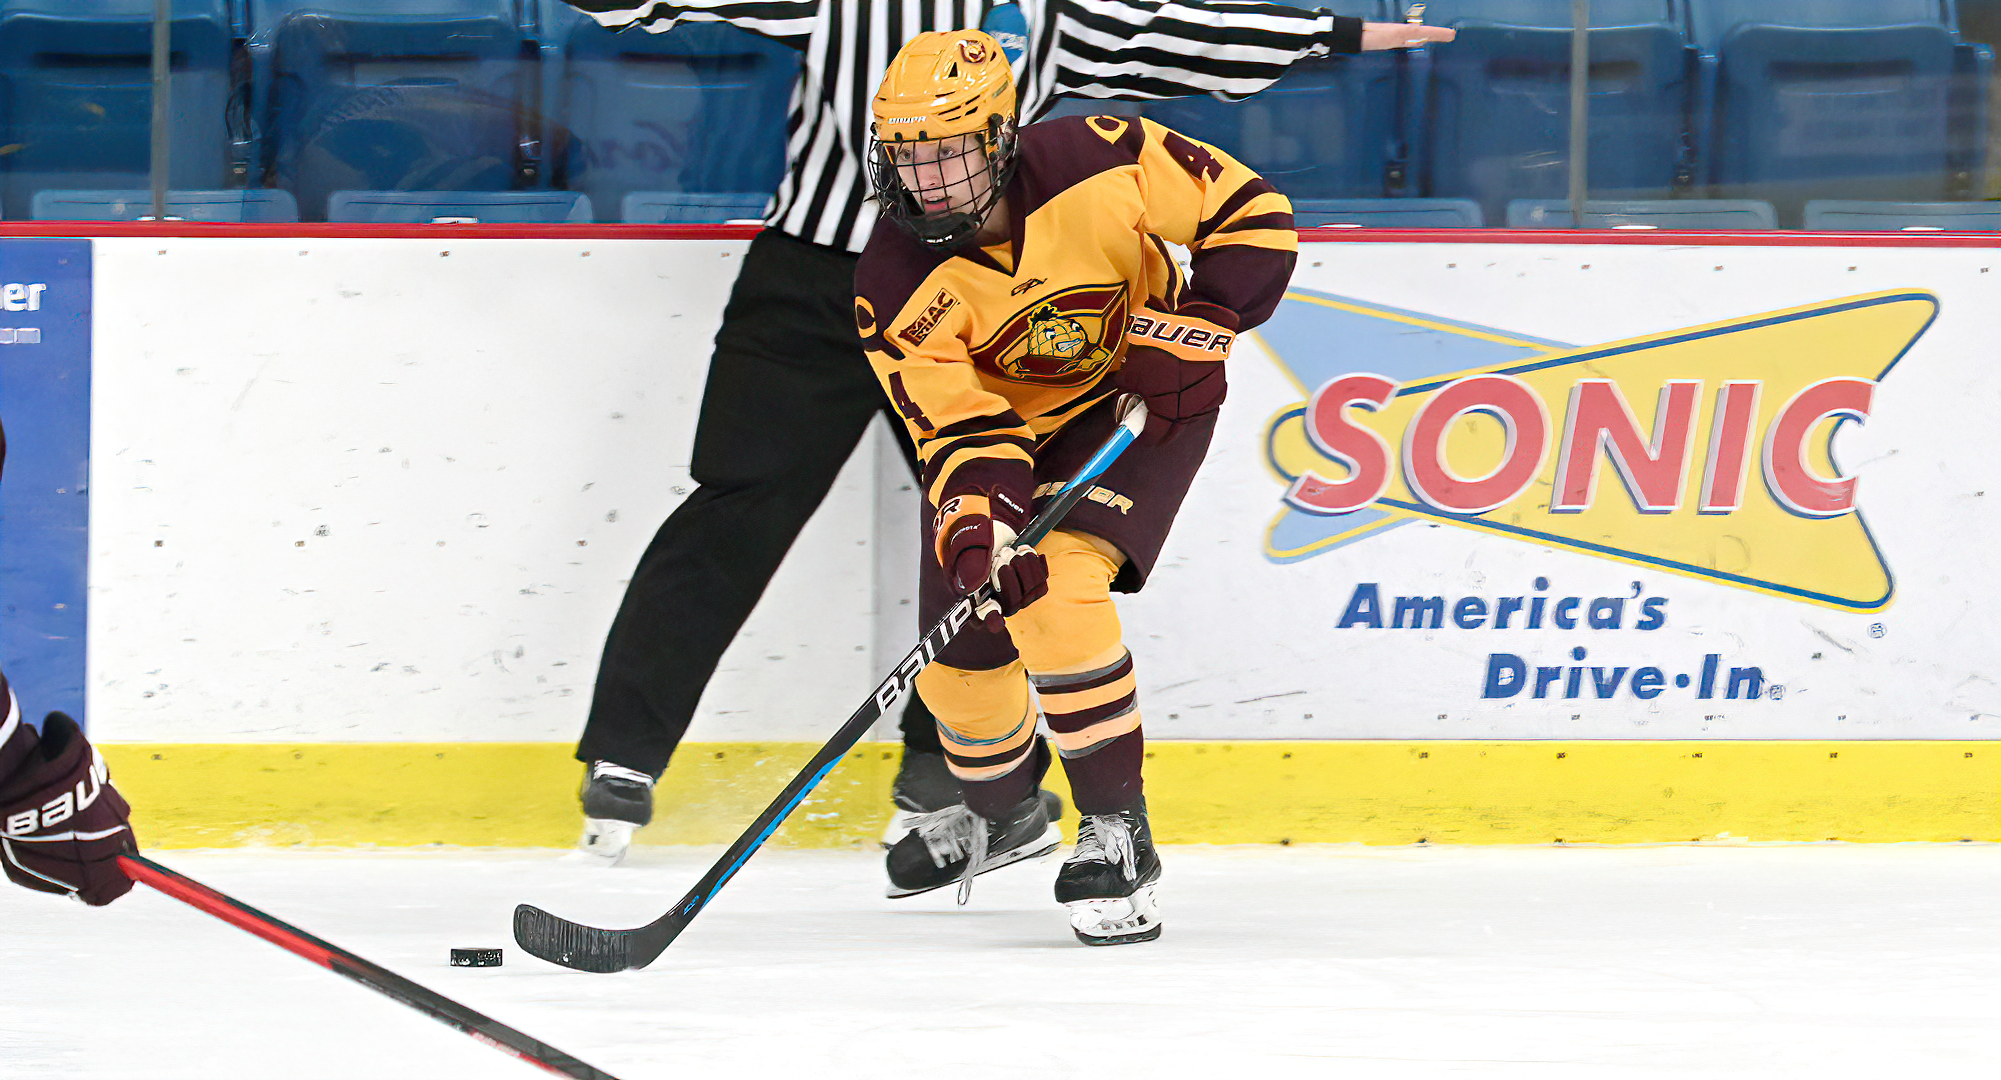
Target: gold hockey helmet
(946, 94)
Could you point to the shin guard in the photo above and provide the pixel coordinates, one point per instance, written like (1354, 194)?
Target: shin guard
(987, 728)
(1070, 641)
(1094, 720)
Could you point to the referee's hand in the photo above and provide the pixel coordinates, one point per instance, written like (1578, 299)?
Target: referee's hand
(1389, 35)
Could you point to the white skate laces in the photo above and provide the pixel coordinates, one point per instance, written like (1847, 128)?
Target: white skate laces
(975, 859)
(947, 833)
(952, 833)
(1107, 838)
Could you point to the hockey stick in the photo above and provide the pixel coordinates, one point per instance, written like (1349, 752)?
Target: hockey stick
(588, 948)
(341, 962)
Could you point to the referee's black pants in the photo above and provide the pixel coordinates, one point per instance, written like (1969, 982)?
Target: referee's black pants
(789, 395)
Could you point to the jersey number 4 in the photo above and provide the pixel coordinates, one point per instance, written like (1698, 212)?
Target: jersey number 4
(905, 405)
(1193, 156)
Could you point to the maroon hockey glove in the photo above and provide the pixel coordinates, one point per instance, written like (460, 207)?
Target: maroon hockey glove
(1175, 362)
(62, 826)
(971, 528)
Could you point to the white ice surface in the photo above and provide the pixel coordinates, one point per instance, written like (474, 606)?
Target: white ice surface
(1758, 961)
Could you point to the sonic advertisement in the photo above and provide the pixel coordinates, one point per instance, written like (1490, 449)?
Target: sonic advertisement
(1520, 491)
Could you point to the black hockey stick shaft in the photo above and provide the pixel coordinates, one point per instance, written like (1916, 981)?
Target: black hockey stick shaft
(588, 948)
(342, 962)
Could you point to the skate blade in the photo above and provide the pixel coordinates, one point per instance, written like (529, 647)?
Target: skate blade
(1117, 920)
(1049, 841)
(604, 842)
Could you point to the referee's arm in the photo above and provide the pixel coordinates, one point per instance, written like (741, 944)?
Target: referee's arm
(1143, 49)
(789, 22)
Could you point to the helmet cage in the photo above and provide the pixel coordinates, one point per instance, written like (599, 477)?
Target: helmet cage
(946, 228)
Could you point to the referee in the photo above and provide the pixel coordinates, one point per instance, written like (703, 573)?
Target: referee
(789, 390)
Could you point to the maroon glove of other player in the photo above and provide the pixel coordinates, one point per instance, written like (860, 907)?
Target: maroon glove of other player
(62, 826)
(1175, 362)
(971, 528)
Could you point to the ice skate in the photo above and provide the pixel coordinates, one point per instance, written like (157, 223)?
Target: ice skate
(955, 844)
(925, 785)
(1108, 882)
(617, 801)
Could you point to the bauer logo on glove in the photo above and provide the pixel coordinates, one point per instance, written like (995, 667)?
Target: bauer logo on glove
(952, 509)
(1174, 361)
(64, 824)
(1186, 338)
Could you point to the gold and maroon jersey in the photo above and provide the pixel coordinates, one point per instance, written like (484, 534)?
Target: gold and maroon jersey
(986, 350)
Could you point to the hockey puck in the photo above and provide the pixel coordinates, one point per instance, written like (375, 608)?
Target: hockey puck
(475, 957)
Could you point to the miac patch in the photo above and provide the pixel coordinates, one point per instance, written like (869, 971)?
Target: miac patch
(922, 326)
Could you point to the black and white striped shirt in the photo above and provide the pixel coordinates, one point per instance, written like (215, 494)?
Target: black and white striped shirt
(1130, 49)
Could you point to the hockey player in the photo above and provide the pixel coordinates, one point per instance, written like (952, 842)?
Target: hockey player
(1019, 280)
(788, 393)
(62, 826)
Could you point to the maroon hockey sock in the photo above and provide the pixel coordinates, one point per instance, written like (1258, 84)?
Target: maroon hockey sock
(1094, 719)
(994, 798)
(1105, 779)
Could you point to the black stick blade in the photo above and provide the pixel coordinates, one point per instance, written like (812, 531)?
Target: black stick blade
(573, 945)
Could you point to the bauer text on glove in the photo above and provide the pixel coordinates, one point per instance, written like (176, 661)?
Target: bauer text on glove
(1174, 360)
(62, 824)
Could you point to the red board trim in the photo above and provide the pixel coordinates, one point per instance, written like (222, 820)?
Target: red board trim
(318, 230)
(1320, 235)
(1653, 237)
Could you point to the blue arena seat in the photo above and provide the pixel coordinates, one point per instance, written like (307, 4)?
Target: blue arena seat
(1331, 128)
(1656, 213)
(1710, 21)
(1498, 101)
(489, 207)
(1858, 99)
(701, 108)
(419, 95)
(1556, 14)
(76, 95)
(1389, 213)
(1845, 215)
(237, 206)
(692, 207)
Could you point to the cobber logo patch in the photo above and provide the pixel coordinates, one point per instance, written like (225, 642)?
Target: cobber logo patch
(1707, 451)
(1057, 340)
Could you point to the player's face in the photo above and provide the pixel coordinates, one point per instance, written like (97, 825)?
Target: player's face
(947, 176)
